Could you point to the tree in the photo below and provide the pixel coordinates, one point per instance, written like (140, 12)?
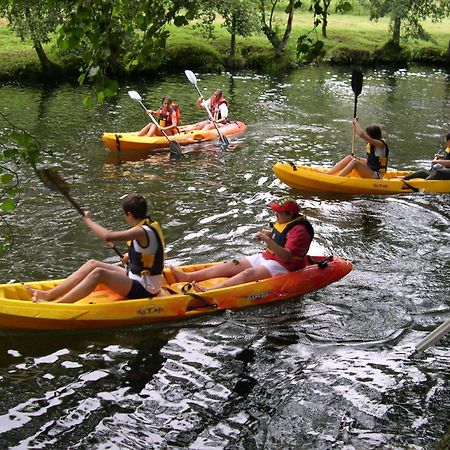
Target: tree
(26, 149)
(270, 26)
(408, 14)
(35, 21)
(322, 8)
(109, 36)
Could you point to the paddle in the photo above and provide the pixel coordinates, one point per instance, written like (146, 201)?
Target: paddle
(51, 178)
(175, 147)
(357, 83)
(193, 79)
(436, 334)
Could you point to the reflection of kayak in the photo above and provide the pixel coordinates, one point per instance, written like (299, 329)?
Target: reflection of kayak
(314, 179)
(131, 141)
(103, 308)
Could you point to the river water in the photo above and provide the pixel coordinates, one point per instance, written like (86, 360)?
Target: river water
(332, 369)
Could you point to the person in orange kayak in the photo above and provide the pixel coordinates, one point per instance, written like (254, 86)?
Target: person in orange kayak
(287, 244)
(142, 277)
(375, 165)
(440, 166)
(218, 107)
(167, 116)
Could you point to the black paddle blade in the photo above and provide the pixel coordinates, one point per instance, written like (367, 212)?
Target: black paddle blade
(175, 150)
(224, 140)
(51, 178)
(357, 81)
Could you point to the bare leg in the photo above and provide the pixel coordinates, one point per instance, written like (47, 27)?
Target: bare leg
(73, 280)
(195, 126)
(227, 269)
(117, 281)
(247, 275)
(144, 130)
(340, 165)
(363, 169)
(152, 130)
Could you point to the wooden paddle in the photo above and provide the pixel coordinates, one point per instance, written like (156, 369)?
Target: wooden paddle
(51, 178)
(175, 147)
(193, 79)
(357, 84)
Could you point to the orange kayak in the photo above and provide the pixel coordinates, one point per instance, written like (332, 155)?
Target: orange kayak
(104, 308)
(131, 141)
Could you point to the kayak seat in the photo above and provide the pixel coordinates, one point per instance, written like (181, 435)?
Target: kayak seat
(208, 284)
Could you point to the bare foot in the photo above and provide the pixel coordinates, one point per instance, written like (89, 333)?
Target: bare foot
(198, 288)
(179, 274)
(37, 295)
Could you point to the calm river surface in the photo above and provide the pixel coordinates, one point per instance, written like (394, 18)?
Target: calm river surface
(328, 370)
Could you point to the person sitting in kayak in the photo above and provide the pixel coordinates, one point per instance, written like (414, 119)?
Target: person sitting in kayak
(168, 117)
(142, 277)
(287, 243)
(375, 165)
(218, 107)
(440, 166)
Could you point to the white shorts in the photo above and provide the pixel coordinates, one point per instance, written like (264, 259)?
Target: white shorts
(274, 267)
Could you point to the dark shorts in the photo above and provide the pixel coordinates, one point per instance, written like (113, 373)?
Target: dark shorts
(138, 291)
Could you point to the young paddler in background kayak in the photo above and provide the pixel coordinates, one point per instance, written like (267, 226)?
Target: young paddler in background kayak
(375, 165)
(440, 166)
(145, 260)
(219, 111)
(168, 117)
(287, 243)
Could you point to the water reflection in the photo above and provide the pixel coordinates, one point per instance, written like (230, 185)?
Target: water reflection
(330, 369)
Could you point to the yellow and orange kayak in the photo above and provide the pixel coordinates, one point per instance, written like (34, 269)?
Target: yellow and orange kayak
(104, 308)
(315, 179)
(131, 141)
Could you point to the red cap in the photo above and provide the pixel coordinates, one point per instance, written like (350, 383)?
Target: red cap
(285, 204)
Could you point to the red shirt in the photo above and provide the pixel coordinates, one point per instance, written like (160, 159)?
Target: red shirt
(298, 241)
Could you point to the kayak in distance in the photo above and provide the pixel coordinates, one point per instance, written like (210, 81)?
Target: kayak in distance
(104, 308)
(131, 141)
(315, 179)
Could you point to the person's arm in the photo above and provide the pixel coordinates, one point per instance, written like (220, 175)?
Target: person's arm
(442, 162)
(106, 235)
(200, 103)
(282, 252)
(363, 135)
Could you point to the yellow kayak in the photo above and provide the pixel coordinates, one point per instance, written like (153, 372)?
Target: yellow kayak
(104, 308)
(131, 141)
(315, 179)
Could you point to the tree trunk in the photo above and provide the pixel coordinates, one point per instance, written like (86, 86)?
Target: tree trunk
(233, 38)
(396, 31)
(48, 68)
(284, 41)
(448, 53)
(326, 5)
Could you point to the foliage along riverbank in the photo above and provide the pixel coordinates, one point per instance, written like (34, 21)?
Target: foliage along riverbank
(351, 39)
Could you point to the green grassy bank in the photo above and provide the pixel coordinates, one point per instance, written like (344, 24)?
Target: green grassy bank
(351, 39)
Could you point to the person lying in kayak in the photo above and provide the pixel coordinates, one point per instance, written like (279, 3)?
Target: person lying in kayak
(218, 107)
(287, 243)
(440, 166)
(168, 117)
(144, 261)
(375, 165)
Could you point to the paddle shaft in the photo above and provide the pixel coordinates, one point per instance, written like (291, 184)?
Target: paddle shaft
(357, 81)
(435, 335)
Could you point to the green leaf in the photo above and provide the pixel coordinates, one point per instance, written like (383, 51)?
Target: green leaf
(7, 205)
(87, 102)
(7, 178)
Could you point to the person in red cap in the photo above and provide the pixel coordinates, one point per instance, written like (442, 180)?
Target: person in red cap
(287, 243)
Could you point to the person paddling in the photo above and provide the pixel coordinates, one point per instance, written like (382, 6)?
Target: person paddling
(287, 243)
(168, 117)
(375, 165)
(142, 277)
(218, 106)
